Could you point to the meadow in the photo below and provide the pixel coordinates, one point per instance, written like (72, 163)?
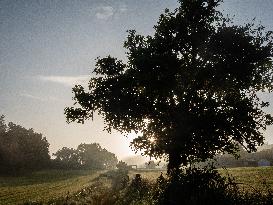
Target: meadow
(252, 179)
(45, 186)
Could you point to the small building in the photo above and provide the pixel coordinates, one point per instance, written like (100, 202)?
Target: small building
(132, 167)
(263, 163)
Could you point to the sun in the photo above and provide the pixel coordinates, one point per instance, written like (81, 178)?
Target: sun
(152, 139)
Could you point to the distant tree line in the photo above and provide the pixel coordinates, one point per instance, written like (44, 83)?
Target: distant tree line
(151, 164)
(245, 159)
(23, 150)
(87, 156)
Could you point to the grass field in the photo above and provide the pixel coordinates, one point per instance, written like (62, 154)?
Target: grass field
(252, 178)
(249, 178)
(48, 185)
(43, 186)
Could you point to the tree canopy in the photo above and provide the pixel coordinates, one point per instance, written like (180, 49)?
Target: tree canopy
(21, 149)
(91, 156)
(150, 164)
(67, 158)
(190, 90)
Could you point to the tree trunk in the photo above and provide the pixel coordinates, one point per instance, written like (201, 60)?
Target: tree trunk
(175, 161)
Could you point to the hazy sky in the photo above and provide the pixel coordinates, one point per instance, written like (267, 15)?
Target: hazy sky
(47, 46)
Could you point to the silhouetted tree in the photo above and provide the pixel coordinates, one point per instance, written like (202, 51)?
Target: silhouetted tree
(21, 149)
(3, 128)
(122, 165)
(91, 156)
(190, 90)
(68, 158)
(94, 156)
(150, 165)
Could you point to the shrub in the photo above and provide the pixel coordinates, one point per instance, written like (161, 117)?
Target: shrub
(139, 191)
(196, 186)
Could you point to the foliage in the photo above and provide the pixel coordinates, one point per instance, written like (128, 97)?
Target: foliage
(196, 186)
(190, 90)
(93, 155)
(120, 179)
(138, 192)
(122, 165)
(21, 149)
(133, 193)
(67, 158)
(150, 164)
(88, 156)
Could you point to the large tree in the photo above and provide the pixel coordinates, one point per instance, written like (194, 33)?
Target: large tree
(190, 90)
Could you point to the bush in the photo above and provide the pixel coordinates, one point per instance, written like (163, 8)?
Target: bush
(196, 186)
(139, 191)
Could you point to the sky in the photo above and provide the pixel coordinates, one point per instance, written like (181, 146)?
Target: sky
(46, 47)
